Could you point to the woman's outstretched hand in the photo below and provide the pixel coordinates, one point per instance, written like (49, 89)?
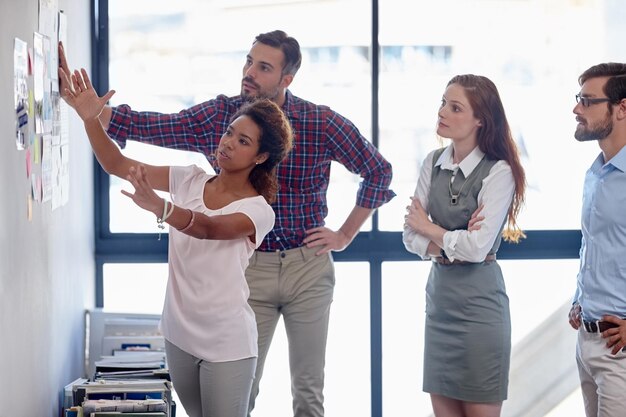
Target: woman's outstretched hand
(82, 97)
(144, 195)
(64, 71)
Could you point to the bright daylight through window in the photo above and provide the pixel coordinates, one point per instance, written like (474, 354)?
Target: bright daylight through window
(167, 55)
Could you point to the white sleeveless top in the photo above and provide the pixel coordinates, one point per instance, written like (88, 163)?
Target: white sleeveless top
(206, 311)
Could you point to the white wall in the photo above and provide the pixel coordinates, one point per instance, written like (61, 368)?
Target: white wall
(46, 265)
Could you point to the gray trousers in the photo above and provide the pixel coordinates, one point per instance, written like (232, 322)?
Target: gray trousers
(210, 389)
(299, 286)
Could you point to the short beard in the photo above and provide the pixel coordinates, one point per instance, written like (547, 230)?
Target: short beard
(270, 95)
(597, 132)
(248, 98)
(253, 97)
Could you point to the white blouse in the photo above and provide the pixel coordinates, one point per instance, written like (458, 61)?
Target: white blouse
(496, 195)
(206, 311)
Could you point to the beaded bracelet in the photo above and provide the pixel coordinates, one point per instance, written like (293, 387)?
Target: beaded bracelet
(166, 213)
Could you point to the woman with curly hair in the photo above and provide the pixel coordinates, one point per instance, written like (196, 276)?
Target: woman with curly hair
(216, 222)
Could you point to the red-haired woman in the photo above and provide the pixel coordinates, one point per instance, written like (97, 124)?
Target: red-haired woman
(468, 196)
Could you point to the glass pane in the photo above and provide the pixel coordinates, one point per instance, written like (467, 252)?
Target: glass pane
(347, 382)
(535, 289)
(571, 406)
(140, 288)
(166, 56)
(535, 69)
(403, 340)
(126, 216)
(134, 288)
(347, 386)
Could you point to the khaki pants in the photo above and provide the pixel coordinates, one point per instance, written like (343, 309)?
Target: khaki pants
(210, 389)
(299, 286)
(602, 376)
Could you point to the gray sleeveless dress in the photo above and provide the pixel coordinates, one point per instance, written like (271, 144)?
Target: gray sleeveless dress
(468, 328)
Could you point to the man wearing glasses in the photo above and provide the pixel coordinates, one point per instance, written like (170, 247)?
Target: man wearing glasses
(599, 308)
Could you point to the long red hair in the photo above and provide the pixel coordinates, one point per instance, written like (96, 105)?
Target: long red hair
(495, 139)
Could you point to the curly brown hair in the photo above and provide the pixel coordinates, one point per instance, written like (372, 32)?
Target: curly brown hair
(276, 140)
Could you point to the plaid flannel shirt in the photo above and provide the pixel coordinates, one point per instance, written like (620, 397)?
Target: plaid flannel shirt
(321, 136)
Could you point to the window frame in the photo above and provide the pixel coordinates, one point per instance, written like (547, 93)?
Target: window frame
(374, 246)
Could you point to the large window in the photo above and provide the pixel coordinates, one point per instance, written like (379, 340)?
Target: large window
(170, 55)
(533, 52)
(384, 65)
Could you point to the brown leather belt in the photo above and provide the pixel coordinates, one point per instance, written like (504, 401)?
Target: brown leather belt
(598, 326)
(445, 261)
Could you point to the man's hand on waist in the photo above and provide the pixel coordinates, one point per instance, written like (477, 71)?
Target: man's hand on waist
(327, 239)
(615, 337)
(574, 316)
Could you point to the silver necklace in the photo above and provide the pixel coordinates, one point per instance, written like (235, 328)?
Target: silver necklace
(454, 198)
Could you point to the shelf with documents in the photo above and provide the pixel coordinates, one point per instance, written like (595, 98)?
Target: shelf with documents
(126, 370)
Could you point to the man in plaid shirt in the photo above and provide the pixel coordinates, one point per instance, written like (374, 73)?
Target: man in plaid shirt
(291, 274)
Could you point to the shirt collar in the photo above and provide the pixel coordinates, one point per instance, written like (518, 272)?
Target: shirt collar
(466, 166)
(619, 160)
(289, 106)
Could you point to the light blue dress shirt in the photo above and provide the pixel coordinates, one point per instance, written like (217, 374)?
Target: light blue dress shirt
(602, 277)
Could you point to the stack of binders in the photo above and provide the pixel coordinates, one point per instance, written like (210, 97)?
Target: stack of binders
(126, 368)
(127, 398)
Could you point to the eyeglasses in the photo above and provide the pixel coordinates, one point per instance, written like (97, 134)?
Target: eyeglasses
(586, 101)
